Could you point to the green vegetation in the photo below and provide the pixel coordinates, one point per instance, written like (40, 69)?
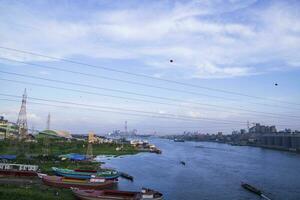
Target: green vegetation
(59, 147)
(31, 152)
(32, 192)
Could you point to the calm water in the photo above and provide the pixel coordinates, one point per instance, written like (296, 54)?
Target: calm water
(212, 171)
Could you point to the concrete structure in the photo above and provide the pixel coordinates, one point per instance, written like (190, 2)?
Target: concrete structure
(262, 129)
(280, 141)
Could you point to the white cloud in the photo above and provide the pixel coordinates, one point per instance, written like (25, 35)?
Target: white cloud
(194, 34)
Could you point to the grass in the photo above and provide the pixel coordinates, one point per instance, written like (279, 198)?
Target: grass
(30, 153)
(33, 192)
(58, 147)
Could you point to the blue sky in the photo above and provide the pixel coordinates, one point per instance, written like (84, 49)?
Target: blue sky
(242, 46)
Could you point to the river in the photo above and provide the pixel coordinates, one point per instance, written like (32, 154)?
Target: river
(213, 171)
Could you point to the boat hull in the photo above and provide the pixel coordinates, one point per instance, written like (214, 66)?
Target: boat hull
(60, 182)
(17, 173)
(111, 195)
(82, 174)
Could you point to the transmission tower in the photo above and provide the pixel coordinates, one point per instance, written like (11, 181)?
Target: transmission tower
(48, 122)
(22, 118)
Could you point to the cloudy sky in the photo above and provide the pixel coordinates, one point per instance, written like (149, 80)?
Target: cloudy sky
(235, 60)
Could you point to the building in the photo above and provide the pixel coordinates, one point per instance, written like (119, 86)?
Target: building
(286, 141)
(262, 129)
(7, 129)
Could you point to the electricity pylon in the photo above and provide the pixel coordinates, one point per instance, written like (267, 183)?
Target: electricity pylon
(22, 118)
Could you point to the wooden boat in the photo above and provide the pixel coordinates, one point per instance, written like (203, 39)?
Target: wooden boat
(93, 183)
(86, 174)
(254, 190)
(146, 194)
(126, 176)
(18, 169)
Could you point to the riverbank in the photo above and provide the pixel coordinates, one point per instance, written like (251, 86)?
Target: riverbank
(25, 191)
(271, 147)
(57, 147)
(47, 156)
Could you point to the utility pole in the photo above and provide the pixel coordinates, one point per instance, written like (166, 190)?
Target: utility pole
(48, 122)
(7, 131)
(22, 118)
(248, 126)
(125, 128)
(46, 145)
(89, 152)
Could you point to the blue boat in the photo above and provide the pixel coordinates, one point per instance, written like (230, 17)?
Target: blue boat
(82, 174)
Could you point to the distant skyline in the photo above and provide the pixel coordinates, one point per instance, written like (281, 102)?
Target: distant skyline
(247, 46)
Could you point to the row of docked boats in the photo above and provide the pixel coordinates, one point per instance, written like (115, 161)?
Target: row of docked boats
(94, 185)
(95, 188)
(85, 184)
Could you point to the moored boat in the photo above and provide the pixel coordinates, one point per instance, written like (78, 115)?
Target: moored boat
(86, 174)
(126, 176)
(146, 194)
(93, 183)
(178, 140)
(18, 169)
(254, 190)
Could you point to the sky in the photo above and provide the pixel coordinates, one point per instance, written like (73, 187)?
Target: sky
(233, 61)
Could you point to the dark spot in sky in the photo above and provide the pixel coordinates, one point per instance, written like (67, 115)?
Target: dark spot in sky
(276, 84)
(171, 60)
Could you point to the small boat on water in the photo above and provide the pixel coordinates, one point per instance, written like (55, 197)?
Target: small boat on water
(126, 176)
(93, 183)
(146, 194)
(18, 169)
(86, 174)
(178, 140)
(254, 190)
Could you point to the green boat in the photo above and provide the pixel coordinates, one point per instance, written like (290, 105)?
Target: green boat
(86, 174)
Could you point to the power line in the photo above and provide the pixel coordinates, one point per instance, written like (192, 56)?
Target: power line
(147, 76)
(115, 79)
(125, 111)
(142, 100)
(138, 113)
(115, 108)
(138, 83)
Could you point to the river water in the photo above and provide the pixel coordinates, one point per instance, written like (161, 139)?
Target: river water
(213, 171)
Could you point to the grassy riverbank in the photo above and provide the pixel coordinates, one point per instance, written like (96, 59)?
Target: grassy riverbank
(35, 153)
(32, 152)
(57, 147)
(34, 192)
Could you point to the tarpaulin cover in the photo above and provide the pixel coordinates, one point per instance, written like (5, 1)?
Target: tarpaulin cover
(8, 157)
(74, 156)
